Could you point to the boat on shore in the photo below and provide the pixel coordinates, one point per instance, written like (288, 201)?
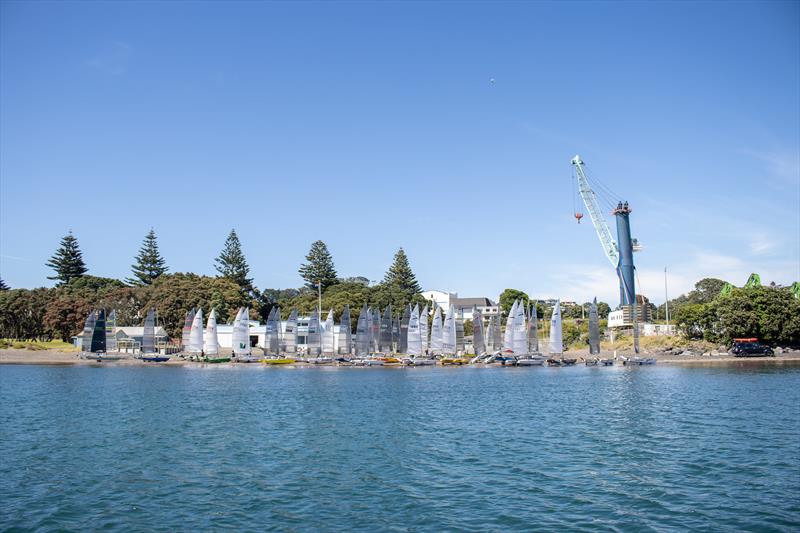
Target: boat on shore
(93, 344)
(148, 349)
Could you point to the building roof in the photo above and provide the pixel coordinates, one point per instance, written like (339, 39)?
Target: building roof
(469, 302)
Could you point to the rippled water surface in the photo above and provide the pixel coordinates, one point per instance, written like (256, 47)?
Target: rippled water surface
(420, 449)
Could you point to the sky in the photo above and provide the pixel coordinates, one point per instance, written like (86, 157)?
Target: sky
(446, 128)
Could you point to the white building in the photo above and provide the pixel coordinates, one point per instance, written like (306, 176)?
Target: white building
(464, 306)
(440, 298)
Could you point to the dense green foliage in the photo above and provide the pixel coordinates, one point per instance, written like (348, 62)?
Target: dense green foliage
(319, 267)
(771, 314)
(149, 263)
(509, 296)
(59, 312)
(231, 263)
(67, 261)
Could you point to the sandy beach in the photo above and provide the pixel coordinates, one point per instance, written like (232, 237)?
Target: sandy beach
(57, 357)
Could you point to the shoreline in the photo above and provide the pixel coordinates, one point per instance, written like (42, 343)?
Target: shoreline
(60, 358)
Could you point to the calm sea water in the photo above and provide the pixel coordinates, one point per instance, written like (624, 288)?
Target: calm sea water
(421, 449)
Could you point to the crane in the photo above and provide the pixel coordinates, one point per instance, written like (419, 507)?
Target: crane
(590, 200)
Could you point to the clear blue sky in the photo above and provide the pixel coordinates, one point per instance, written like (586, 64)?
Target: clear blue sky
(375, 125)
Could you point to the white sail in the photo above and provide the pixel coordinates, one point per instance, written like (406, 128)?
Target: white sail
(240, 337)
(594, 329)
(436, 331)
(520, 342)
(414, 339)
(423, 329)
(362, 332)
(196, 333)
(449, 332)
(211, 346)
(314, 339)
(327, 335)
(478, 341)
(272, 332)
(345, 339)
(289, 337)
(187, 329)
(111, 326)
(533, 330)
(490, 347)
(508, 336)
(556, 343)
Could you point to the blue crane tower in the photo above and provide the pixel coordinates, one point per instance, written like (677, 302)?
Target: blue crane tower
(619, 252)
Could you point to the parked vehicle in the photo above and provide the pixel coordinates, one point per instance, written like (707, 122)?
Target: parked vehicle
(750, 348)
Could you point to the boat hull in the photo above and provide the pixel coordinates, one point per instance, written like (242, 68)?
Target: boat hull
(530, 362)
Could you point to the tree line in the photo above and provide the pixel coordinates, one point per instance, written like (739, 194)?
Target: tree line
(718, 312)
(59, 312)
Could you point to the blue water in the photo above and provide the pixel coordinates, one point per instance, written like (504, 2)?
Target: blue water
(248, 448)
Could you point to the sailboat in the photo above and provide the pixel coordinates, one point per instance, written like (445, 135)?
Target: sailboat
(423, 329)
(436, 332)
(402, 346)
(111, 325)
(210, 352)
(187, 329)
(449, 339)
(508, 336)
(478, 343)
(362, 333)
(289, 337)
(345, 338)
(364, 339)
(533, 330)
(416, 354)
(196, 334)
(522, 339)
(240, 337)
(275, 341)
(328, 335)
(386, 336)
(314, 342)
(148, 349)
(93, 344)
(490, 347)
(556, 340)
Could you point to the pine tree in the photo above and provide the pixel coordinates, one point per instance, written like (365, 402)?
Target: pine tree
(319, 267)
(231, 263)
(3, 286)
(67, 261)
(401, 276)
(149, 263)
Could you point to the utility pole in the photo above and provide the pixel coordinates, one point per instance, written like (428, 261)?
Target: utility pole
(319, 293)
(666, 296)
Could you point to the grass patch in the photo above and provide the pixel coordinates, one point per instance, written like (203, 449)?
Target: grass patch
(37, 346)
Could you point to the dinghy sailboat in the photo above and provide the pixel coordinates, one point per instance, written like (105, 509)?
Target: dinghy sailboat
(211, 341)
(450, 339)
(345, 338)
(525, 356)
(556, 340)
(241, 337)
(148, 347)
(423, 329)
(93, 343)
(417, 356)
